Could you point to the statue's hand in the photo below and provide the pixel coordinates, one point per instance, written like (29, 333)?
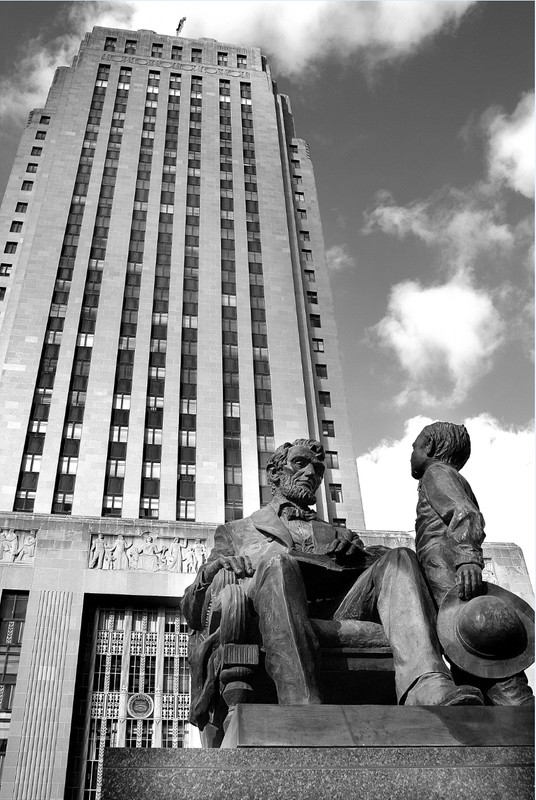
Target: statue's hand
(240, 565)
(346, 545)
(469, 581)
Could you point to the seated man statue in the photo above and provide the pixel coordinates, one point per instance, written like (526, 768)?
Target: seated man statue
(449, 535)
(289, 563)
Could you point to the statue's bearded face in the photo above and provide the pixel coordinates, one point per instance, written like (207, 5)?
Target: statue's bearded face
(300, 476)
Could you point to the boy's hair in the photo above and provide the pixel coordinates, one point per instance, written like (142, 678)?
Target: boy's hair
(451, 442)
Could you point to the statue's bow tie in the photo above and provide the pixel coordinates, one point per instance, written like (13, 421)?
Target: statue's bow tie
(293, 512)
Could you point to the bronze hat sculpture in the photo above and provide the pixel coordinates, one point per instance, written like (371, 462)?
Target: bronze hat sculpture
(491, 635)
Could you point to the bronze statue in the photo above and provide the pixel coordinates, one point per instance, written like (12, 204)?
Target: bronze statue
(449, 535)
(290, 566)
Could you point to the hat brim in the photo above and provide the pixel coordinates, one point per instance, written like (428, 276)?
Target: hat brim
(447, 619)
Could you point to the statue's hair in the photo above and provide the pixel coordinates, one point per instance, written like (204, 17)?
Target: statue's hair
(279, 457)
(451, 442)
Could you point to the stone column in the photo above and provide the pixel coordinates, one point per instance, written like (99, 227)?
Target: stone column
(42, 717)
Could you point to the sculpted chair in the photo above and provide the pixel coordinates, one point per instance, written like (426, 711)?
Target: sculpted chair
(227, 661)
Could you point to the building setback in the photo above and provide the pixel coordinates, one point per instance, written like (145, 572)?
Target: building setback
(166, 321)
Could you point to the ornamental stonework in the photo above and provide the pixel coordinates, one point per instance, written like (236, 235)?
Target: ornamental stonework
(146, 553)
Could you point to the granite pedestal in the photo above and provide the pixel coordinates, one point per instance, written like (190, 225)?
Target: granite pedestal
(338, 753)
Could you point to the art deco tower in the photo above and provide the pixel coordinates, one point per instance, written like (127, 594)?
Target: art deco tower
(168, 316)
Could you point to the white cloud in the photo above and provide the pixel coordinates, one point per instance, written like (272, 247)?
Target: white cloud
(296, 35)
(443, 336)
(462, 224)
(511, 146)
(27, 85)
(339, 259)
(501, 472)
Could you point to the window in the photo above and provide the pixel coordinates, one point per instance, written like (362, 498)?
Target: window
(31, 463)
(27, 186)
(328, 427)
(324, 399)
(339, 522)
(44, 120)
(24, 500)
(112, 505)
(318, 345)
(12, 617)
(176, 53)
(121, 401)
(115, 468)
(309, 275)
(196, 55)
(308, 255)
(187, 438)
(222, 59)
(312, 297)
(2, 292)
(241, 61)
(299, 197)
(62, 503)
(149, 507)
(321, 370)
(5, 269)
(231, 409)
(314, 320)
(36, 151)
(151, 469)
(110, 43)
(157, 50)
(16, 227)
(21, 208)
(118, 433)
(68, 465)
(31, 167)
(40, 134)
(10, 247)
(153, 436)
(332, 459)
(72, 430)
(186, 509)
(130, 46)
(335, 492)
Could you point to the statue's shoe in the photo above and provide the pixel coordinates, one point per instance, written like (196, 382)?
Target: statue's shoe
(438, 689)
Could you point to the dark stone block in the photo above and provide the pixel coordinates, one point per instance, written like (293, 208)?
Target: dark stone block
(495, 762)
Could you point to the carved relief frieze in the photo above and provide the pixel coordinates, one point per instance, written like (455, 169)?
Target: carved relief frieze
(17, 546)
(146, 553)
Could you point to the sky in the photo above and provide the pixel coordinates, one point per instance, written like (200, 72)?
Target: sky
(419, 117)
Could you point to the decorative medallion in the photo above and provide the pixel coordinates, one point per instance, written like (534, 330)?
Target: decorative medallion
(140, 706)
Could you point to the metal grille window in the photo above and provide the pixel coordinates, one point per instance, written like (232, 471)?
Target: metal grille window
(140, 685)
(12, 616)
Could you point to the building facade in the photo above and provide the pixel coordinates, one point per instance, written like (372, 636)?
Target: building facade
(166, 320)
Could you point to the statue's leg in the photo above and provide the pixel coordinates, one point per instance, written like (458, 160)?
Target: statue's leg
(292, 651)
(392, 591)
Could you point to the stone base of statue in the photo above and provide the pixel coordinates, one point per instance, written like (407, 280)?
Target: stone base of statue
(338, 752)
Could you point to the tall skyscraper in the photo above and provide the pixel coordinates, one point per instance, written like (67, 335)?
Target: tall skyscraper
(168, 312)
(166, 321)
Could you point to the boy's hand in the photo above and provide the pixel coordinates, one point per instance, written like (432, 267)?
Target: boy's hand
(469, 581)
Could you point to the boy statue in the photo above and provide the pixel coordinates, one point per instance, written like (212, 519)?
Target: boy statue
(449, 535)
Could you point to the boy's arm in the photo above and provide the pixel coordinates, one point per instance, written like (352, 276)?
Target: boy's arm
(451, 498)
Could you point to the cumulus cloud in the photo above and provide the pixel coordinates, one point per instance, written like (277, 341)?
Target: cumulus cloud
(296, 35)
(27, 85)
(500, 471)
(462, 223)
(444, 338)
(339, 259)
(511, 146)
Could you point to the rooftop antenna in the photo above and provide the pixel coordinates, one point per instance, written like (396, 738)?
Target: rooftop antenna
(179, 26)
